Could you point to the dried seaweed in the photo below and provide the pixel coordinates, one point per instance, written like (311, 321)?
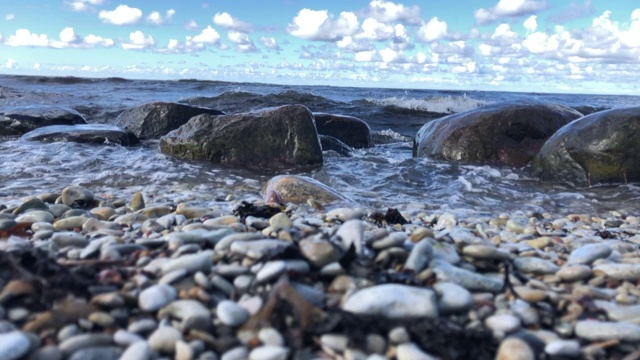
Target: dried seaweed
(391, 217)
(246, 209)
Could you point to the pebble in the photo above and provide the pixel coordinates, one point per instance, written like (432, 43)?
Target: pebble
(102, 352)
(238, 353)
(280, 221)
(573, 273)
(271, 270)
(137, 351)
(420, 256)
(270, 336)
(503, 323)
(452, 298)
(467, 279)
(231, 314)
(595, 330)
(191, 263)
(568, 348)
(269, 352)
(513, 348)
(535, 265)
(192, 313)
(13, 345)
(393, 301)
(619, 271)
(76, 196)
(352, 232)
(319, 252)
(183, 351)
(164, 339)
(589, 253)
(411, 351)
(69, 238)
(36, 216)
(156, 297)
(486, 252)
(258, 249)
(84, 341)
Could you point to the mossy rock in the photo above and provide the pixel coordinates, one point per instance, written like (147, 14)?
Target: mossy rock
(299, 189)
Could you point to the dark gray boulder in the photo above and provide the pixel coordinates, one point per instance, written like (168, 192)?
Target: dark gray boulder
(330, 143)
(348, 129)
(509, 133)
(87, 133)
(22, 119)
(601, 148)
(155, 119)
(272, 138)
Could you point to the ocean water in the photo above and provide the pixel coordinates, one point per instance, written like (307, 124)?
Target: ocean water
(383, 176)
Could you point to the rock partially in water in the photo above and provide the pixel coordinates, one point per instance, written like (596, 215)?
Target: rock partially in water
(505, 133)
(348, 129)
(334, 144)
(601, 148)
(299, 189)
(155, 119)
(87, 133)
(20, 120)
(278, 137)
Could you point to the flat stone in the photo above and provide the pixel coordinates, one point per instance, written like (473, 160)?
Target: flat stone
(514, 348)
(14, 345)
(76, 196)
(192, 263)
(453, 298)
(319, 252)
(573, 273)
(393, 301)
(257, 249)
(36, 216)
(84, 341)
(420, 256)
(271, 270)
(269, 352)
(619, 312)
(97, 353)
(619, 271)
(589, 253)
(164, 339)
(237, 353)
(231, 314)
(469, 280)
(568, 348)
(156, 297)
(535, 265)
(137, 351)
(352, 232)
(594, 330)
(69, 238)
(194, 314)
(503, 323)
(486, 252)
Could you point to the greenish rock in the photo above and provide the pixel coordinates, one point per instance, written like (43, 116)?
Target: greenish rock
(278, 137)
(22, 119)
(601, 148)
(508, 133)
(31, 204)
(348, 129)
(299, 189)
(155, 119)
(76, 196)
(86, 133)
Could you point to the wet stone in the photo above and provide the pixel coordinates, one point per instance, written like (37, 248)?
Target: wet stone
(231, 314)
(589, 253)
(467, 279)
(76, 196)
(535, 265)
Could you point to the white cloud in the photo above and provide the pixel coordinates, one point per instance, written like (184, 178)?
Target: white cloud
(503, 36)
(241, 41)
(373, 29)
(531, 24)
(228, 22)
(208, 36)
(320, 25)
(9, 17)
(388, 12)
(508, 8)
(138, 41)
(433, 30)
(270, 43)
(365, 56)
(10, 64)
(155, 18)
(24, 37)
(68, 36)
(68, 39)
(191, 25)
(83, 5)
(122, 15)
(36, 66)
(400, 40)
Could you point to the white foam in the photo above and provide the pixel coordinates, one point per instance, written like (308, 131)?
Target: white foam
(438, 104)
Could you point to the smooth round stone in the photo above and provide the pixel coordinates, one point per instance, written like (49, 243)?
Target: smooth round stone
(271, 270)
(243, 282)
(539, 243)
(530, 295)
(194, 314)
(191, 263)
(399, 335)
(183, 351)
(411, 351)
(569, 348)
(345, 214)
(516, 225)
(222, 284)
(280, 221)
(269, 352)
(469, 280)
(237, 353)
(109, 300)
(445, 252)
(231, 314)
(142, 326)
(36, 216)
(258, 249)
(420, 256)
(602, 330)
(164, 339)
(486, 252)
(503, 323)
(18, 314)
(446, 220)
(311, 294)
(513, 348)
(620, 312)
(102, 318)
(41, 226)
(535, 265)
(335, 342)
(126, 338)
(70, 223)
(391, 240)
(48, 352)
(393, 301)
(76, 196)
(173, 276)
(137, 202)
(453, 298)
(103, 213)
(352, 232)
(137, 351)
(156, 297)
(84, 341)
(270, 336)
(101, 352)
(589, 253)
(69, 238)
(319, 252)
(619, 271)
(571, 273)
(68, 332)
(14, 345)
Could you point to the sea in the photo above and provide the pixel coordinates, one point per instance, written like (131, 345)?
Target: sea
(381, 177)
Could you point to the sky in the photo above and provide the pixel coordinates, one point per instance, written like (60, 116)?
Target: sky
(576, 46)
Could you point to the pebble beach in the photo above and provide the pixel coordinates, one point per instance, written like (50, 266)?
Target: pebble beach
(89, 276)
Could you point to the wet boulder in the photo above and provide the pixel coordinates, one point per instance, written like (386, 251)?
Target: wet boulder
(155, 119)
(298, 189)
(600, 148)
(329, 143)
(86, 133)
(509, 133)
(270, 139)
(348, 129)
(22, 119)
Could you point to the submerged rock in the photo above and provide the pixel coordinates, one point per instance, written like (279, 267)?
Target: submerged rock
(155, 119)
(299, 189)
(272, 138)
(332, 143)
(348, 129)
(600, 148)
(87, 133)
(506, 133)
(20, 120)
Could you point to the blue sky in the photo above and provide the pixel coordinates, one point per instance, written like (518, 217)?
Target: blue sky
(578, 46)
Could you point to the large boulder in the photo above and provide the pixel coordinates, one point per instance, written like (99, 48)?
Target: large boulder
(22, 119)
(348, 129)
(273, 138)
(298, 189)
(155, 119)
(509, 133)
(603, 147)
(87, 133)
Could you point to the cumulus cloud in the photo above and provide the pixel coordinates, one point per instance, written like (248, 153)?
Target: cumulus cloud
(68, 39)
(155, 18)
(373, 29)
(508, 8)
(9, 17)
(138, 41)
(388, 12)
(400, 39)
(10, 64)
(208, 36)
(241, 41)
(228, 22)
(122, 15)
(531, 24)
(270, 43)
(320, 25)
(433, 30)
(83, 5)
(24, 37)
